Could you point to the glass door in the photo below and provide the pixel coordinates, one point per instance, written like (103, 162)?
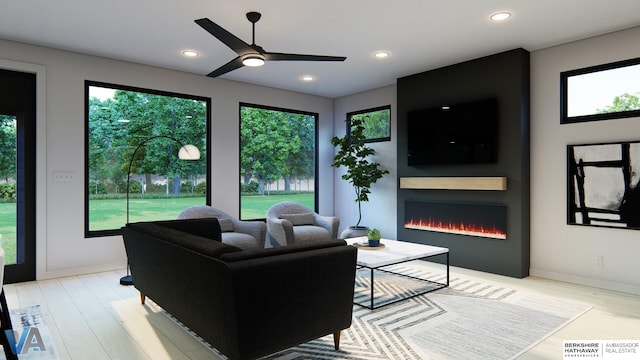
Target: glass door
(17, 174)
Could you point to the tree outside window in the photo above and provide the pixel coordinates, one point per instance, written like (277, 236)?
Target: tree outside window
(277, 159)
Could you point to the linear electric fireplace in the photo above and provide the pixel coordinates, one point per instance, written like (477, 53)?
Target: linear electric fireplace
(464, 219)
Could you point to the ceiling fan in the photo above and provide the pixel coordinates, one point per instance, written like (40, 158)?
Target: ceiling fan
(252, 55)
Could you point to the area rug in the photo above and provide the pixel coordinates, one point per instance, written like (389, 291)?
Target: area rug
(31, 335)
(468, 320)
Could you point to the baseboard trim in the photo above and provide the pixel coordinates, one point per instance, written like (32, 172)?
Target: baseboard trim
(81, 271)
(580, 280)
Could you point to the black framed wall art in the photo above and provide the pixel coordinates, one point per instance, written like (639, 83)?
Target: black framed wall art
(602, 187)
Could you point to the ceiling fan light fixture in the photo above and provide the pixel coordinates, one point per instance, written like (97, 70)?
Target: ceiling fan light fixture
(253, 60)
(252, 55)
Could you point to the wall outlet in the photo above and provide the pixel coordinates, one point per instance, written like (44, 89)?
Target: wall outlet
(64, 176)
(598, 261)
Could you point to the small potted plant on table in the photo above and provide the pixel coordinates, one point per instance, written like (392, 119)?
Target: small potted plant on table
(374, 237)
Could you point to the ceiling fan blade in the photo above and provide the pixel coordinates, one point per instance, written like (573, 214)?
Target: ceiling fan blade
(231, 65)
(232, 41)
(301, 57)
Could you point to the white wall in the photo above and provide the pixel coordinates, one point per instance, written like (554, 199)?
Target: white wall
(560, 251)
(62, 249)
(380, 212)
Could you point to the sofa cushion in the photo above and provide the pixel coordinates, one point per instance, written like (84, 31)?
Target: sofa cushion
(280, 250)
(226, 225)
(298, 219)
(310, 233)
(241, 240)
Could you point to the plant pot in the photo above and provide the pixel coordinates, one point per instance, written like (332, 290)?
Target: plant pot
(354, 231)
(374, 243)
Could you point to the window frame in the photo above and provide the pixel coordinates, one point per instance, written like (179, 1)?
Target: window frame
(89, 83)
(564, 93)
(365, 111)
(316, 179)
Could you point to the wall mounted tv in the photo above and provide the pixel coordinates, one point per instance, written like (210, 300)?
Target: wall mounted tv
(465, 133)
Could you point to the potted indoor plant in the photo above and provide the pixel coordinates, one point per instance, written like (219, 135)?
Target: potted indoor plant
(374, 237)
(353, 154)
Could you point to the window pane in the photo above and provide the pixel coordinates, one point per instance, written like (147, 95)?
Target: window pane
(376, 122)
(8, 178)
(604, 91)
(277, 159)
(601, 92)
(123, 122)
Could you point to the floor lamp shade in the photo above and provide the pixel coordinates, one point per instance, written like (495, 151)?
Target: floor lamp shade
(189, 152)
(186, 152)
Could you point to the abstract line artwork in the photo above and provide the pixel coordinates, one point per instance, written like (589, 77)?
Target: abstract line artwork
(602, 187)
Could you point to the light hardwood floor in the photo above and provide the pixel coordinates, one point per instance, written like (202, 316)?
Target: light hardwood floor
(94, 317)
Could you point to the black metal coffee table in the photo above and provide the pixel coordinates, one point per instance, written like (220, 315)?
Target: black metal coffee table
(395, 252)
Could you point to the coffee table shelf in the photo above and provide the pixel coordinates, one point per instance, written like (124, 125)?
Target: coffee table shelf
(397, 252)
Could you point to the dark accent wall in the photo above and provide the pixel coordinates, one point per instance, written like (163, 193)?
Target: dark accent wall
(506, 77)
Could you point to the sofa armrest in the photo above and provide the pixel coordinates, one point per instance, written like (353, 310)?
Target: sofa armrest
(307, 294)
(185, 281)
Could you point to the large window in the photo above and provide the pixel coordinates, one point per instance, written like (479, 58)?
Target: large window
(120, 120)
(278, 148)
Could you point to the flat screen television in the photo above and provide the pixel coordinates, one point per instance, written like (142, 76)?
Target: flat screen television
(465, 133)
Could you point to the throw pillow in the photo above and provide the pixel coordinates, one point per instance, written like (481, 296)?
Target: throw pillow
(298, 219)
(226, 225)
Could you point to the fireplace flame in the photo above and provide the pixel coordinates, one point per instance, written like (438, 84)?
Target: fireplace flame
(456, 228)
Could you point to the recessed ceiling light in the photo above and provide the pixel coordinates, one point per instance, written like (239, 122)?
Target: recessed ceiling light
(500, 16)
(381, 54)
(190, 53)
(307, 78)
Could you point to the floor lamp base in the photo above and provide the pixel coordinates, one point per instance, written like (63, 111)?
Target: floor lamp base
(126, 280)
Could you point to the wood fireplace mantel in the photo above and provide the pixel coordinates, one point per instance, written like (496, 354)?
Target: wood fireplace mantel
(455, 183)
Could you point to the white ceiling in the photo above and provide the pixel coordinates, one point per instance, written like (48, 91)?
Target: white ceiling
(420, 34)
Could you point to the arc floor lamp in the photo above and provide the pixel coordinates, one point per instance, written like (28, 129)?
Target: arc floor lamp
(186, 152)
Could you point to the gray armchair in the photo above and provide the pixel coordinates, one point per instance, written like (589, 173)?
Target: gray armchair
(243, 234)
(291, 223)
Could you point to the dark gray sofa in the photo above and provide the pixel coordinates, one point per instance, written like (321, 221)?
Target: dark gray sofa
(245, 303)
